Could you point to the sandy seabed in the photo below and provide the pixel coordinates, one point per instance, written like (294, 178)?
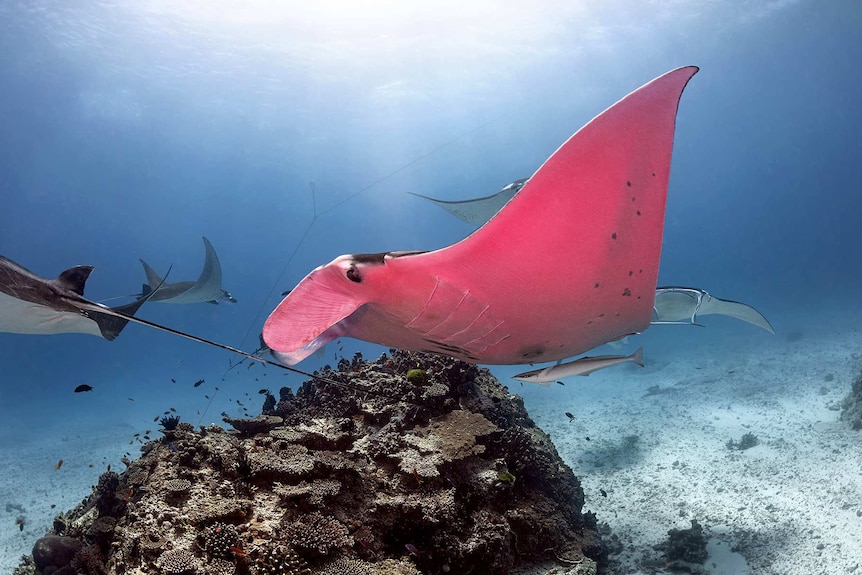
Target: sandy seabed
(653, 440)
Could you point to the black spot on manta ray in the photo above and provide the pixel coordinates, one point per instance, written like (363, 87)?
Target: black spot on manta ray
(533, 352)
(597, 285)
(638, 212)
(629, 183)
(614, 236)
(631, 273)
(627, 292)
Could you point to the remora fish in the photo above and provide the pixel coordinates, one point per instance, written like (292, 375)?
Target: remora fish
(584, 366)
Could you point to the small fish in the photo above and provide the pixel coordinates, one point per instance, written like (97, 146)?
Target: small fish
(59, 465)
(147, 437)
(131, 398)
(173, 380)
(83, 387)
(20, 523)
(264, 391)
(561, 383)
(238, 551)
(570, 416)
(156, 418)
(587, 438)
(603, 492)
(198, 383)
(583, 366)
(173, 409)
(206, 396)
(167, 413)
(411, 549)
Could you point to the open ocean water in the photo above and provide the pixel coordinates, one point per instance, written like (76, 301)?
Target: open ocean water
(289, 133)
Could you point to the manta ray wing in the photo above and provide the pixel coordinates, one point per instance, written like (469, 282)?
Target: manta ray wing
(683, 305)
(30, 304)
(571, 261)
(477, 211)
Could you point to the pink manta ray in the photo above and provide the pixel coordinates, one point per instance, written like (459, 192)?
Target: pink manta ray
(570, 263)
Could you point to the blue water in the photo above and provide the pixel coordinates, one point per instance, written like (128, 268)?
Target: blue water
(130, 130)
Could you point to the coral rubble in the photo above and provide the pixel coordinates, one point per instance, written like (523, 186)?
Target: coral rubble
(413, 464)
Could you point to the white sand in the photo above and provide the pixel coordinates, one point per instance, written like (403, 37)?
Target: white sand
(790, 506)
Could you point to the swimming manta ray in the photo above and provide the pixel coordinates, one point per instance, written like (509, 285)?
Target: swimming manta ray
(477, 211)
(207, 288)
(682, 305)
(31, 304)
(569, 263)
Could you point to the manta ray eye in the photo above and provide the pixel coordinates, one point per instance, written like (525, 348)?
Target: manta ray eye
(353, 275)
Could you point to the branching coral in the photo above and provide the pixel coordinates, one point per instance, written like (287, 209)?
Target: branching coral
(218, 539)
(315, 491)
(177, 562)
(317, 534)
(279, 560)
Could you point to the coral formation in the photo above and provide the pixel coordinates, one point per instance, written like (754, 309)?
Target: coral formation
(851, 406)
(685, 546)
(177, 561)
(376, 474)
(747, 441)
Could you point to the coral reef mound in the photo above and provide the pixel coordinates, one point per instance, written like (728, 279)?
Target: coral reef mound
(413, 464)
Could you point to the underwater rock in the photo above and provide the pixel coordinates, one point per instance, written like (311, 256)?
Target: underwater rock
(851, 406)
(250, 426)
(372, 475)
(55, 552)
(685, 547)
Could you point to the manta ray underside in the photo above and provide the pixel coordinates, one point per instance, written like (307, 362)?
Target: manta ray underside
(207, 288)
(31, 304)
(568, 264)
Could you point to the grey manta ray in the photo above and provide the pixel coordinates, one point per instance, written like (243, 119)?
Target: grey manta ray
(207, 288)
(479, 210)
(673, 305)
(682, 305)
(31, 304)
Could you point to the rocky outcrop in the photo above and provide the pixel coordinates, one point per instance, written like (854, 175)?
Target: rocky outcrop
(441, 471)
